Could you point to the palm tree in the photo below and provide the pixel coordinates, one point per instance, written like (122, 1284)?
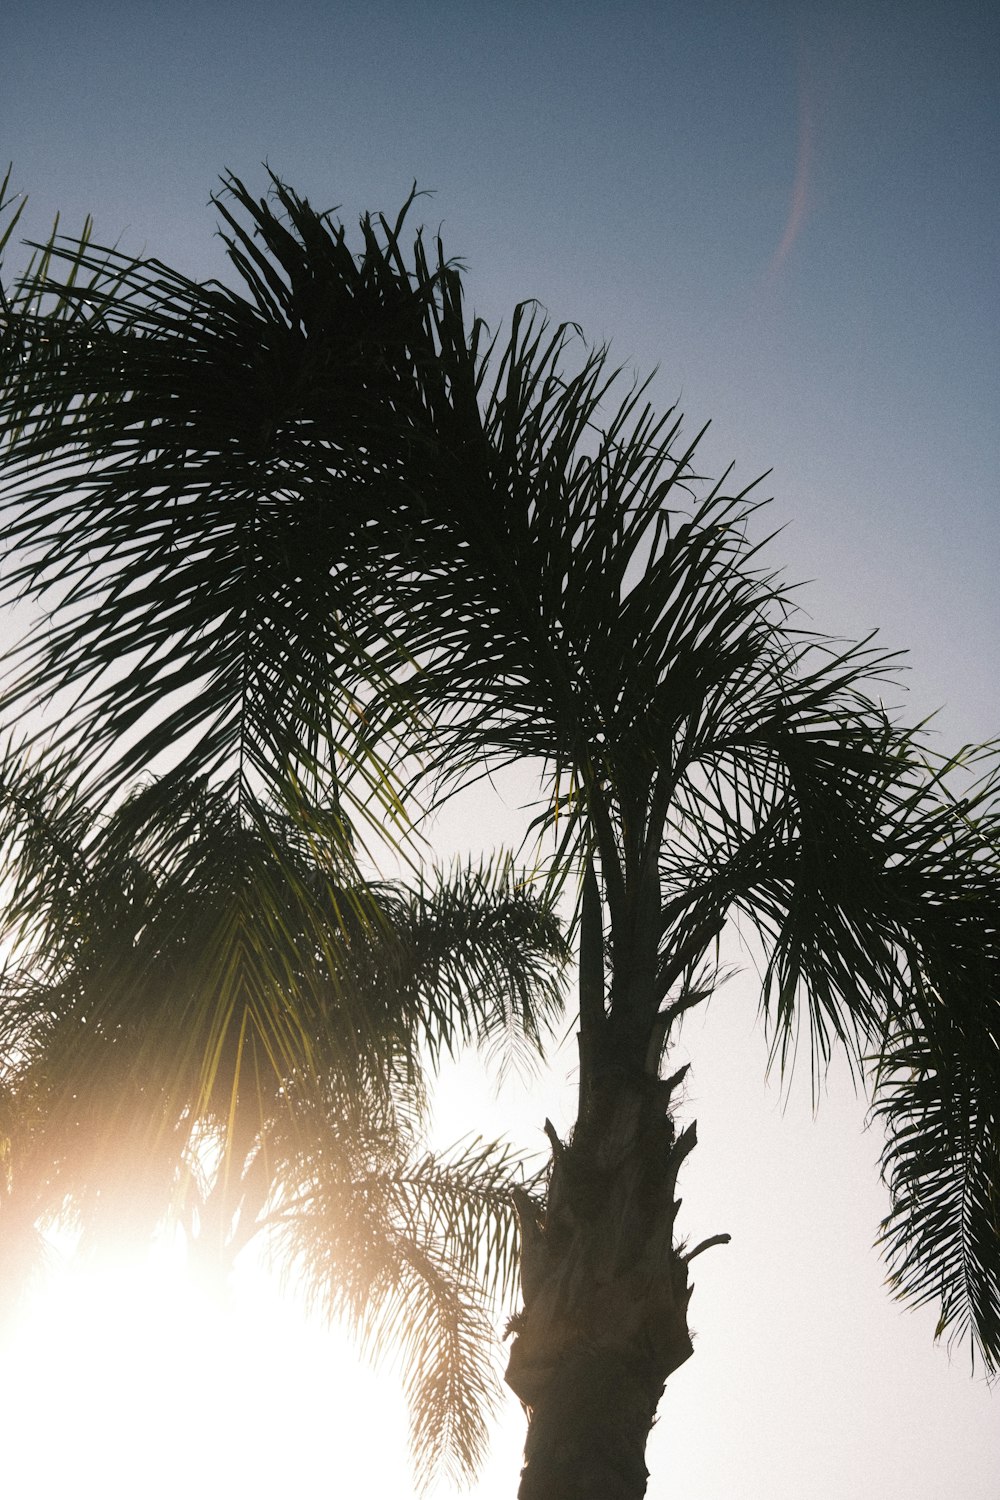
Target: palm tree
(142, 948)
(708, 758)
(353, 544)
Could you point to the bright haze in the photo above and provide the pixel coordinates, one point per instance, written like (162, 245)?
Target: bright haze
(793, 212)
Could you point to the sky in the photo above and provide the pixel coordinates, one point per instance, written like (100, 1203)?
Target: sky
(791, 212)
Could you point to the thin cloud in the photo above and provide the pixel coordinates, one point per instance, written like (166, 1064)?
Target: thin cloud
(799, 204)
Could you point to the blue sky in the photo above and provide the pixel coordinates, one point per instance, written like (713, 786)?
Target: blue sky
(638, 170)
(792, 212)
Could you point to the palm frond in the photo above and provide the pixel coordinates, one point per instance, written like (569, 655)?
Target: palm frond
(939, 1100)
(226, 960)
(409, 1250)
(938, 1075)
(195, 480)
(479, 958)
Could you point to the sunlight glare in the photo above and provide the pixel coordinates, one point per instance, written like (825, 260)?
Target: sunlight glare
(128, 1380)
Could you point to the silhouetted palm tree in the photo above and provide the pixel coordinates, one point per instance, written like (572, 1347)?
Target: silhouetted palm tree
(353, 545)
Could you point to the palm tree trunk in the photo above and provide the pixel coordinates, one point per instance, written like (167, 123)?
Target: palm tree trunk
(605, 1297)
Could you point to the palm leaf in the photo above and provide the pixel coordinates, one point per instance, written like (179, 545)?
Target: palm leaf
(193, 477)
(939, 1102)
(403, 1249)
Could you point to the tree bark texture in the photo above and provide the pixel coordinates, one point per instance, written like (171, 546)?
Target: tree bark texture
(605, 1292)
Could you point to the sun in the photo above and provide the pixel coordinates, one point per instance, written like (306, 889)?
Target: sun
(127, 1380)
